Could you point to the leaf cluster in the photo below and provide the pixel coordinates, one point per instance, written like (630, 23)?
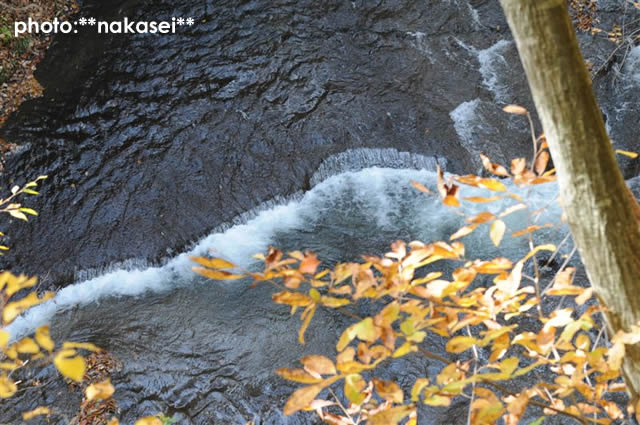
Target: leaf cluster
(477, 308)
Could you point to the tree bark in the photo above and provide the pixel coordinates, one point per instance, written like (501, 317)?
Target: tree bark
(592, 190)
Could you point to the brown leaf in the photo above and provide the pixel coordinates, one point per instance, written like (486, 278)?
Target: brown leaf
(302, 398)
(320, 365)
(496, 169)
(298, 375)
(515, 109)
(388, 390)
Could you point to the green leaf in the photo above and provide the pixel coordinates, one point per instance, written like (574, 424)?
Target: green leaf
(29, 211)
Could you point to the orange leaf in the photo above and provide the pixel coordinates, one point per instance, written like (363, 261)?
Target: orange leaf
(541, 162)
(482, 217)
(217, 274)
(309, 264)
(480, 199)
(530, 229)
(292, 298)
(213, 263)
(420, 187)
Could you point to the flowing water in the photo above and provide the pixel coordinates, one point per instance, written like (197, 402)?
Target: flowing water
(205, 351)
(284, 109)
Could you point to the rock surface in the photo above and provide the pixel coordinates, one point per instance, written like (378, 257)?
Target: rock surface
(151, 141)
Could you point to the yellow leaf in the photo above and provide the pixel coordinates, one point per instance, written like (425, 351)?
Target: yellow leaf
(353, 387)
(100, 391)
(27, 346)
(365, 330)
(14, 309)
(43, 339)
(534, 251)
(4, 338)
(16, 283)
(300, 399)
(319, 365)
(391, 416)
(38, 411)
(18, 214)
(149, 420)
(7, 387)
(493, 185)
(70, 365)
(333, 302)
(463, 231)
(496, 231)
(292, 298)
(80, 345)
(515, 109)
(113, 421)
(306, 316)
(213, 263)
(459, 344)
(404, 349)
(417, 388)
(627, 153)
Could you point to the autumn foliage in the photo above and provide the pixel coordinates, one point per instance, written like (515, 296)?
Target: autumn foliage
(478, 308)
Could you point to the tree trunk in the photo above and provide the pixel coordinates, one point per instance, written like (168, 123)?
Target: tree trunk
(592, 190)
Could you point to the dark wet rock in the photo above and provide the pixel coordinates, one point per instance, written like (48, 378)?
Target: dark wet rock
(151, 141)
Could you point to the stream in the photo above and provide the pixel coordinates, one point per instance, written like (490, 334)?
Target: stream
(297, 124)
(206, 351)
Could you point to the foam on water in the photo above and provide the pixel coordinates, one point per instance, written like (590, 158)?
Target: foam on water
(492, 65)
(631, 69)
(382, 194)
